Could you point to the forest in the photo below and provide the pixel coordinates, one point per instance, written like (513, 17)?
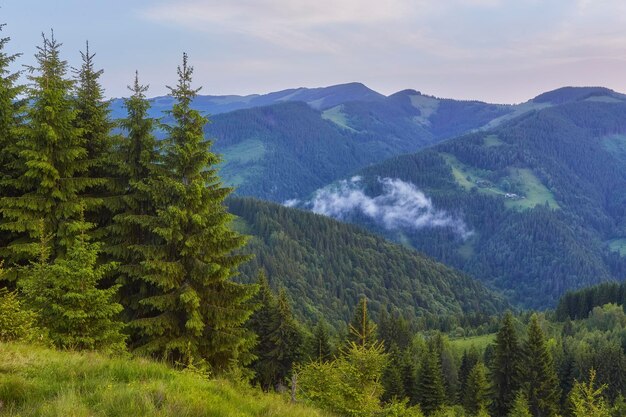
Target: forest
(115, 242)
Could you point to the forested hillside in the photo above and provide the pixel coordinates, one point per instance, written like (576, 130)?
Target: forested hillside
(326, 266)
(542, 200)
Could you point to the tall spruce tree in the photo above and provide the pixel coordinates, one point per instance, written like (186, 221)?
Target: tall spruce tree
(93, 120)
(505, 367)
(130, 237)
(469, 359)
(320, 346)
(430, 390)
(519, 408)
(11, 113)
(540, 381)
(476, 399)
(197, 311)
(286, 338)
(362, 330)
(52, 163)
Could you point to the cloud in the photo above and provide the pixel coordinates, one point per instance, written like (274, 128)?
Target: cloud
(401, 206)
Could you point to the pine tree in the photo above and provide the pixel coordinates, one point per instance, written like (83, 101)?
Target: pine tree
(321, 348)
(392, 376)
(262, 323)
(65, 294)
(196, 311)
(286, 339)
(541, 384)
(92, 118)
(430, 390)
(52, 162)
(476, 397)
(130, 237)
(468, 361)
(505, 367)
(11, 114)
(361, 330)
(587, 400)
(519, 408)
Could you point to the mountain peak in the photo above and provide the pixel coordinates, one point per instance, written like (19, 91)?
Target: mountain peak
(572, 94)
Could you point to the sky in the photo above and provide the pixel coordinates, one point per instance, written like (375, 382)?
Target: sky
(503, 51)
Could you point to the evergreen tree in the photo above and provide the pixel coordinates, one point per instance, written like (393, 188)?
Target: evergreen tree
(392, 376)
(286, 338)
(476, 397)
(468, 361)
(52, 163)
(586, 400)
(519, 408)
(263, 323)
(130, 237)
(92, 118)
(65, 294)
(361, 329)
(538, 374)
(196, 312)
(430, 390)
(11, 114)
(505, 367)
(321, 348)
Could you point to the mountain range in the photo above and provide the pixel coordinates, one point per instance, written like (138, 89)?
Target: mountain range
(529, 198)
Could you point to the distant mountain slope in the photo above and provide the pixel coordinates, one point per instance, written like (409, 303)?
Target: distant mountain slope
(318, 98)
(541, 198)
(326, 265)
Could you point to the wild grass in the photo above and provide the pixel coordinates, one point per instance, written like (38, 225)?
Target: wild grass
(36, 381)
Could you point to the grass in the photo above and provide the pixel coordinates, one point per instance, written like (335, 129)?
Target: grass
(534, 191)
(479, 342)
(491, 141)
(618, 245)
(36, 381)
(338, 117)
(427, 107)
(239, 161)
(615, 145)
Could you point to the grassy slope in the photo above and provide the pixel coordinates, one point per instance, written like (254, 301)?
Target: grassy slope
(36, 381)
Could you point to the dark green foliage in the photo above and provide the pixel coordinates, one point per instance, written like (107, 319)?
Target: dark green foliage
(394, 330)
(279, 342)
(321, 349)
(469, 359)
(533, 252)
(194, 311)
(577, 305)
(540, 382)
(52, 163)
(393, 384)
(327, 265)
(506, 367)
(476, 397)
(92, 119)
(130, 236)
(430, 391)
(65, 295)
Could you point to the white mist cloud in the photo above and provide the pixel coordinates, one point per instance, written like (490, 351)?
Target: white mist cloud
(401, 206)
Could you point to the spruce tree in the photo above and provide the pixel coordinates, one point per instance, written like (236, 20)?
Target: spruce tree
(468, 361)
(519, 408)
(130, 237)
(430, 390)
(262, 323)
(92, 118)
(52, 163)
(541, 384)
(476, 397)
(321, 348)
(65, 294)
(362, 330)
(505, 367)
(286, 338)
(392, 376)
(11, 114)
(196, 311)
(586, 400)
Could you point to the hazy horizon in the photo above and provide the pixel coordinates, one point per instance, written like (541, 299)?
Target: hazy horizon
(488, 50)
